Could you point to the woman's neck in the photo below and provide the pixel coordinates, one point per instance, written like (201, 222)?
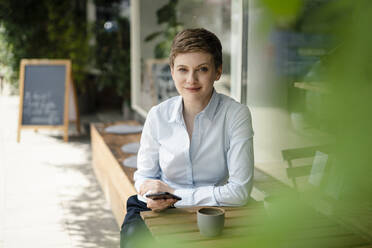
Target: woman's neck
(191, 108)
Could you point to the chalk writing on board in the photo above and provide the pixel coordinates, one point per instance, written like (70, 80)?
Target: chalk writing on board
(39, 108)
(44, 94)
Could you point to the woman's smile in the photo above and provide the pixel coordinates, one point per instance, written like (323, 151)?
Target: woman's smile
(192, 89)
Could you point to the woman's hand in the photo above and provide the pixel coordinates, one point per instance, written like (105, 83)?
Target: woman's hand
(159, 205)
(155, 186)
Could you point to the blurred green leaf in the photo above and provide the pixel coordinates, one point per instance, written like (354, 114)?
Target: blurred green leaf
(287, 8)
(153, 36)
(167, 14)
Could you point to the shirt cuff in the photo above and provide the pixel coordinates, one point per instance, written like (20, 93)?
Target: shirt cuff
(186, 195)
(201, 196)
(141, 198)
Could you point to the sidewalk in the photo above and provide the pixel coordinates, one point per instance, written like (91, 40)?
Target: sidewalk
(49, 196)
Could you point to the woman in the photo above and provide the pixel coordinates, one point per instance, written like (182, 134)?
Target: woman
(198, 145)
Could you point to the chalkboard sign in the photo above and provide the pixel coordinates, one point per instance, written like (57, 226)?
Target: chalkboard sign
(45, 93)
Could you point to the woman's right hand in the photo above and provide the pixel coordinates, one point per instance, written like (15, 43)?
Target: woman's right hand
(155, 186)
(161, 204)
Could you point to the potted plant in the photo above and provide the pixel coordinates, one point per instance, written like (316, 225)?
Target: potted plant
(166, 15)
(157, 71)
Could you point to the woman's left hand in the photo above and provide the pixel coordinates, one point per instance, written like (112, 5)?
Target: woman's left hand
(159, 205)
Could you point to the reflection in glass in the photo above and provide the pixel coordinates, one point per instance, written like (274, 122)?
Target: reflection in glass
(159, 22)
(285, 91)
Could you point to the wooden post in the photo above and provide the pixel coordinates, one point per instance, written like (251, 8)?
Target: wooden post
(67, 98)
(77, 113)
(21, 92)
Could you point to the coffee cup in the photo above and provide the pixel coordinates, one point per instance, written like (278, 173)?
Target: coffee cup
(211, 221)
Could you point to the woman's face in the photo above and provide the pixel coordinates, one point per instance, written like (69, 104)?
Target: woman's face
(194, 75)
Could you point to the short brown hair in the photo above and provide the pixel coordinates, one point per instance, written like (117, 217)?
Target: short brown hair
(196, 40)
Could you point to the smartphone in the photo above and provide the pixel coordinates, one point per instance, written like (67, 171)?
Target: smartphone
(162, 195)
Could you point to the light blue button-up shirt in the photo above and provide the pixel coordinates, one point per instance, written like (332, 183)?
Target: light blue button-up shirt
(215, 168)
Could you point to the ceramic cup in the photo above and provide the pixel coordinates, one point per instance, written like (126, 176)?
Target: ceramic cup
(211, 221)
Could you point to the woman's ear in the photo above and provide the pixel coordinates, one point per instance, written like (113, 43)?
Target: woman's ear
(218, 72)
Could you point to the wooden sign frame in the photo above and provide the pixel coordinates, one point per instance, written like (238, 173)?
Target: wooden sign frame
(69, 89)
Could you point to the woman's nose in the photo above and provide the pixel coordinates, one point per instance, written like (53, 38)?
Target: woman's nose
(191, 77)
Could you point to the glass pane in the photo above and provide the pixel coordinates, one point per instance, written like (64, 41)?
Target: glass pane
(159, 21)
(284, 91)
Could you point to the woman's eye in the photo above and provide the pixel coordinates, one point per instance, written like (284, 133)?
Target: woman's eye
(182, 70)
(204, 69)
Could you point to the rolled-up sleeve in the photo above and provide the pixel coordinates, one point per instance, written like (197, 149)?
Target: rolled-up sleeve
(148, 154)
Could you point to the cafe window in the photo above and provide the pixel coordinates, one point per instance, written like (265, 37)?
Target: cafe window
(283, 88)
(153, 26)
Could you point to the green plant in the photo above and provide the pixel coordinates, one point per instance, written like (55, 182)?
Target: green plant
(112, 57)
(166, 15)
(44, 29)
(5, 56)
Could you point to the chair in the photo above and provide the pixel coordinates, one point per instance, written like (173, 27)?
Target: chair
(289, 155)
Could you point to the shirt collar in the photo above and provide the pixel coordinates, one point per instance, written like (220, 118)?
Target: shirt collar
(176, 114)
(209, 110)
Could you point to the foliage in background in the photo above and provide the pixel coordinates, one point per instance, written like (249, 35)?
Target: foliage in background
(350, 81)
(112, 49)
(44, 29)
(347, 75)
(58, 29)
(5, 56)
(166, 15)
(346, 72)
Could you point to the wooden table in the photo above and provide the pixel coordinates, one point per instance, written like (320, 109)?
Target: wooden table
(180, 225)
(352, 214)
(251, 226)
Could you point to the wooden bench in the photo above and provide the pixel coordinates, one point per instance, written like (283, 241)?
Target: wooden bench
(243, 224)
(116, 180)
